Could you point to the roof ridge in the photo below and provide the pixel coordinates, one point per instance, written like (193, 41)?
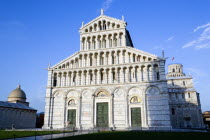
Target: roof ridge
(65, 59)
(98, 18)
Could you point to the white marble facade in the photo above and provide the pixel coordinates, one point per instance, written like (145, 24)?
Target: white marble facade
(108, 69)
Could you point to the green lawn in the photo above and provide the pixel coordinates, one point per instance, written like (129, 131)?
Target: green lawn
(12, 134)
(137, 135)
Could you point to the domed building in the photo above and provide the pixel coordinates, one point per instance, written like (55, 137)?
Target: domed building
(17, 96)
(16, 113)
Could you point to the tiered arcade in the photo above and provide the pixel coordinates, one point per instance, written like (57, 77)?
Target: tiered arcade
(110, 79)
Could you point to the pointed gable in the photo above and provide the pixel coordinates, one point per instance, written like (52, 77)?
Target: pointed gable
(102, 21)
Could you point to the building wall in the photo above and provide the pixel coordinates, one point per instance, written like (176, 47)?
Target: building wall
(20, 118)
(153, 103)
(107, 62)
(184, 101)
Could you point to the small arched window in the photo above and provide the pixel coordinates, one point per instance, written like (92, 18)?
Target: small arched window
(183, 96)
(91, 77)
(173, 70)
(91, 61)
(72, 102)
(55, 80)
(74, 78)
(134, 59)
(135, 99)
(173, 111)
(172, 83)
(112, 59)
(158, 76)
(102, 76)
(184, 83)
(113, 76)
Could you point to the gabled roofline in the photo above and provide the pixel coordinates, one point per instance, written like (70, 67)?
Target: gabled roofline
(101, 16)
(128, 47)
(65, 59)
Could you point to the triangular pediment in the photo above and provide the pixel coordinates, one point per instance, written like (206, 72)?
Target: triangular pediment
(102, 18)
(66, 61)
(75, 57)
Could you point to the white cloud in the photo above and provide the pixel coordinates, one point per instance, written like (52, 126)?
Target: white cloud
(201, 27)
(170, 38)
(189, 44)
(106, 4)
(203, 41)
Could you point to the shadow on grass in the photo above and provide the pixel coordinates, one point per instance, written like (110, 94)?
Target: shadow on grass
(137, 135)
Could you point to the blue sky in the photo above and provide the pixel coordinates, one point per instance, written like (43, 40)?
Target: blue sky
(34, 33)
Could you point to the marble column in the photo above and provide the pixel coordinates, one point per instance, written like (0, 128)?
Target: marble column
(88, 77)
(64, 80)
(59, 80)
(126, 57)
(121, 75)
(152, 73)
(88, 60)
(79, 112)
(110, 76)
(98, 77)
(145, 110)
(127, 76)
(93, 111)
(77, 78)
(139, 74)
(127, 111)
(112, 110)
(64, 111)
(98, 59)
(110, 58)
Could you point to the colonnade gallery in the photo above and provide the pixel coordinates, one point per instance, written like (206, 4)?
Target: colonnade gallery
(108, 83)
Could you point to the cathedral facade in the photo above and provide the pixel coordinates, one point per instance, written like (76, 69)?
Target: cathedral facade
(108, 83)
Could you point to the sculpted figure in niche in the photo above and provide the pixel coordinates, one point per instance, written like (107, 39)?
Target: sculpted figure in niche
(72, 102)
(135, 99)
(102, 94)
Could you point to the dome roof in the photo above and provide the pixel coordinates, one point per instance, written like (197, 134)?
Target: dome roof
(17, 93)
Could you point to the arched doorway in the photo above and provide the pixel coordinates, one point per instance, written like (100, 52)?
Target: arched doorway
(102, 108)
(102, 119)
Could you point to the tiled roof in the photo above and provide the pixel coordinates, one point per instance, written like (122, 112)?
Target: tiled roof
(15, 105)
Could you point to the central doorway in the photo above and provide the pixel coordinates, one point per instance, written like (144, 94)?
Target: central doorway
(102, 115)
(136, 117)
(72, 117)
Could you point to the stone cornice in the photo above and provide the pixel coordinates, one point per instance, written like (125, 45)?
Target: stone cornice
(109, 49)
(108, 66)
(143, 83)
(94, 33)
